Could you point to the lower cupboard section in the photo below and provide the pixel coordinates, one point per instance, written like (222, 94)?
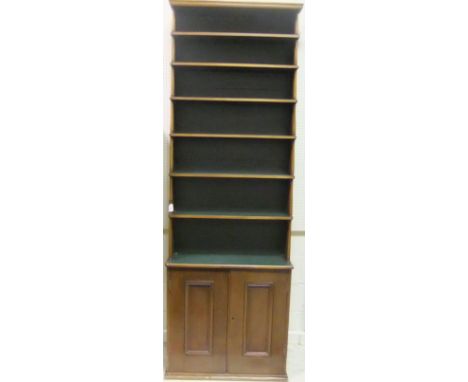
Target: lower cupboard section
(227, 322)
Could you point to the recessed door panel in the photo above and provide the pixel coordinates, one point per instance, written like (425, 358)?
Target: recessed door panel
(197, 319)
(258, 317)
(258, 322)
(199, 312)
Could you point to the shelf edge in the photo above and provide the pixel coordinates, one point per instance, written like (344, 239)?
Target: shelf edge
(190, 64)
(297, 6)
(229, 217)
(285, 36)
(229, 266)
(230, 176)
(233, 136)
(234, 99)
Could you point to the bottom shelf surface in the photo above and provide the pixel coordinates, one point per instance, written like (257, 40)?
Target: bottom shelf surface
(212, 259)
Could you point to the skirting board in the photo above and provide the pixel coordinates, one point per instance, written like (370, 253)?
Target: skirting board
(225, 377)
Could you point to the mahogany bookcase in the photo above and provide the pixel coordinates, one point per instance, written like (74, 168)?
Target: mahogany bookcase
(231, 173)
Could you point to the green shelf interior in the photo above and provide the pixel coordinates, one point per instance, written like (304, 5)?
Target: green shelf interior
(243, 20)
(234, 49)
(232, 259)
(232, 118)
(264, 197)
(233, 82)
(221, 235)
(228, 237)
(232, 155)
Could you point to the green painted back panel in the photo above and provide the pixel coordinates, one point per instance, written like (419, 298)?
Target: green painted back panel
(229, 82)
(244, 20)
(239, 237)
(231, 196)
(234, 49)
(232, 118)
(255, 156)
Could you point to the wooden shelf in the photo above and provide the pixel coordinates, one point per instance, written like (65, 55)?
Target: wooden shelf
(236, 34)
(227, 175)
(233, 136)
(249, 215)
(238, 4)
(245, 100)
(227, 216)
(233, 65)
(214, 260)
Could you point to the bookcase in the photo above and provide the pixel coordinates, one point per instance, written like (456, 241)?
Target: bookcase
(231, 177)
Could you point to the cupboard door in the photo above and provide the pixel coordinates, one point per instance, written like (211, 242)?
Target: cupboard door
(197, 320)
(258, 322)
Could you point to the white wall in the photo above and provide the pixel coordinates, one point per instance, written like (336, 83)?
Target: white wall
(296, 321)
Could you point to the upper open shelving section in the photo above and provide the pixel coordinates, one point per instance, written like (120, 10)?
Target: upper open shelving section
(232, 133)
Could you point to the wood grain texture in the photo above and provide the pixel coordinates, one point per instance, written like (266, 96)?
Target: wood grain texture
(258, 322)
(199, 312)
(227, 322)
(197, 315)
(258, 317)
